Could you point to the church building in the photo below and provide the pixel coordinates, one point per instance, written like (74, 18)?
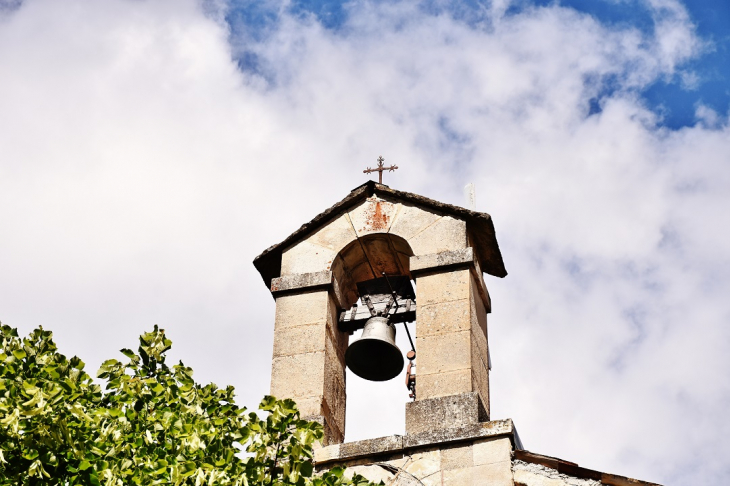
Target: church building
(351, 268)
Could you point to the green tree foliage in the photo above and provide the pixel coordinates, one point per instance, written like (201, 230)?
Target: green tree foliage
(152, 424)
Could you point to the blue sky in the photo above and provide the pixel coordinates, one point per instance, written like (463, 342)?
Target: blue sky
(152, 148)
(670, 96)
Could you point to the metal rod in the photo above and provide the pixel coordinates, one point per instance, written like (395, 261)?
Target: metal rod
(409, 337)
(392, 292)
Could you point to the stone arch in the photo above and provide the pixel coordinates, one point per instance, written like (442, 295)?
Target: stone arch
(366, 258)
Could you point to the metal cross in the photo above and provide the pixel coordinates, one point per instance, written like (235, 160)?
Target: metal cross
(380, 168)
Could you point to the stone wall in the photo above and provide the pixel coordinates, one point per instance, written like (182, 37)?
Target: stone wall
(308, 361)
(480, 456)
(476, 454)
(451, 338)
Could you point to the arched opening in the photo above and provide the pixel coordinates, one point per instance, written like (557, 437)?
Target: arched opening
(368, 257)
(374, 409)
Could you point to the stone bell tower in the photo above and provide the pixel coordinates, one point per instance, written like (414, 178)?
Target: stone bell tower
(317, 276)
(313, 276)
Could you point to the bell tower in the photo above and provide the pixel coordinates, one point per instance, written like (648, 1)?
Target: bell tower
(368, 248)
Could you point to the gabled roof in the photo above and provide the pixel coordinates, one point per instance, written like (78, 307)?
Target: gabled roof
(479, 226)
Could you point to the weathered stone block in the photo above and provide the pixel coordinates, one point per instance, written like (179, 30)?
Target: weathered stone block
(372, 447)
(335, 236)
(338, 342)
(478, 350)
(425, 463)
(374, 215)
(480, 384)
(454, 410)
(478, 308)
(334, 387)
(343, 286)
(411, 220)
(332, 434)
(326, 453)
(480, 367)
(333, 405)
(437, 288)
(456, 477)
(398, 459)
(480, 340)
(302, 308)
(490, 451)
(478, 356)
(296, 376)
(308, 338)
(451, 260)
(495, 474)
(481, 288)
(301, 281)
(306, 257)
(446, 234)
(310, 406)
(440, 353)
(432, 261)
(432, 480)
(453, 434)
(456, 457)
(445, 317)
(332, 316)
(443, 384)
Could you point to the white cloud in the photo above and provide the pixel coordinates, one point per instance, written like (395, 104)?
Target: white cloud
(142, 172)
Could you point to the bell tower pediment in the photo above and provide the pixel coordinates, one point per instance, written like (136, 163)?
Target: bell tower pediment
(391, 211)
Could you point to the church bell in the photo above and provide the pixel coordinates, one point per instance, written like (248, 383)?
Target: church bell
(387, 301)
(375, 356)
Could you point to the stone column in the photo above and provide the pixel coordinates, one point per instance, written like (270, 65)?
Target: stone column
(309, 351)
(452, 377)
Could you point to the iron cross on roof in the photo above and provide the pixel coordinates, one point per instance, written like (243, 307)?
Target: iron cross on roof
(380, 169)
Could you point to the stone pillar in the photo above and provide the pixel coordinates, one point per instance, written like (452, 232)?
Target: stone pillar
(309, 351)
(452, 377)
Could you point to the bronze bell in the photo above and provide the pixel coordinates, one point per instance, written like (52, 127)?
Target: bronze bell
(375, 356)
